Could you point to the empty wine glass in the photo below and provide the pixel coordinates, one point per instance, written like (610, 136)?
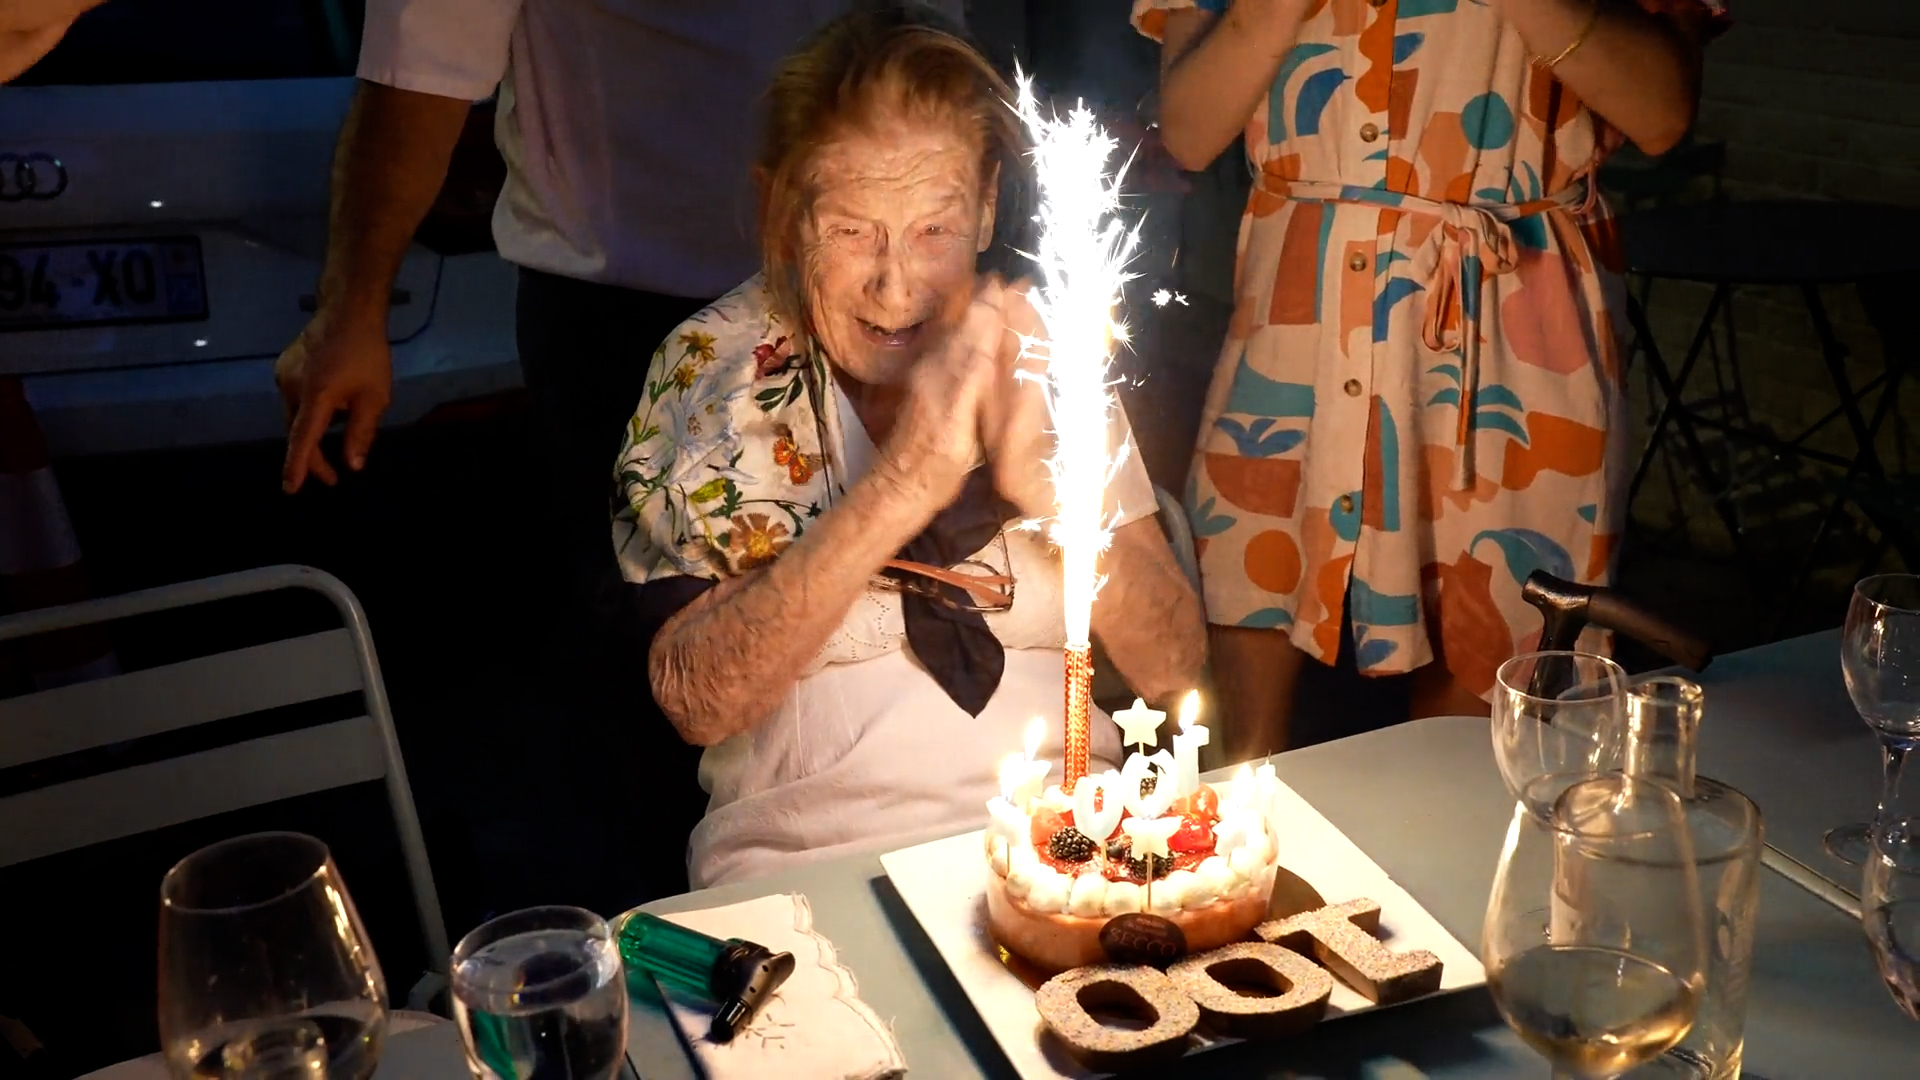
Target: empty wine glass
(1594, 946)
(1890, 901)
(539, 995)
(1556, 714)
(265, 971)
(1880, 657)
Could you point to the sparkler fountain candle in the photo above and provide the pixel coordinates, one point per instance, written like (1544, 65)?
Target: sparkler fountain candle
(1082, 257)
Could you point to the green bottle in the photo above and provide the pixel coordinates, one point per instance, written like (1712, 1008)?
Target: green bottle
(738, 976)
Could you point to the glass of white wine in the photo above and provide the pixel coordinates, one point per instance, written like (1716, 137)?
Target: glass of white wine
(1594, 944)
(265, 970)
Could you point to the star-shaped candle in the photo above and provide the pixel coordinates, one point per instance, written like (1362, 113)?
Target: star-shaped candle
(1139, 726)
(1022, 777)
(1186, 746)
(1007, 822)
(1147, 839)
(1149, 836)
(1233, 832)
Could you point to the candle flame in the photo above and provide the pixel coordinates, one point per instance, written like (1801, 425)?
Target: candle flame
(1189, 710)
(1036, 731)
(1083, 252)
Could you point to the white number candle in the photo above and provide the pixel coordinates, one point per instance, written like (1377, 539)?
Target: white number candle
(1186, 746)
(1138, 768)
(1097, 805)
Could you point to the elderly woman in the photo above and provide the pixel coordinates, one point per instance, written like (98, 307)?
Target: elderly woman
(848, 619)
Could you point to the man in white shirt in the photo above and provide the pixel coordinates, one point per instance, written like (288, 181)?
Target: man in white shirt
(628, 128)
(29, 29)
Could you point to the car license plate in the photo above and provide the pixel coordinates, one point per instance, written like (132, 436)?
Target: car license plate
(94, 282)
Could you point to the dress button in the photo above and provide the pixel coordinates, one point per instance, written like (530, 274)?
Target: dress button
(1346, 504)
(1353, 387)
(1369, 132)
(1358, 262)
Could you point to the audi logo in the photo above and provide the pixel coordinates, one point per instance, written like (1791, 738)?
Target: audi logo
(31, 176)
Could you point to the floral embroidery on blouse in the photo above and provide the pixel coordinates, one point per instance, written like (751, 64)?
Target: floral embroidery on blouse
(723, 466)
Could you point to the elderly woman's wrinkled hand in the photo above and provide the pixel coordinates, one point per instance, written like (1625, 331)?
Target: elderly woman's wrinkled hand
(936, 439)
(1014, 420)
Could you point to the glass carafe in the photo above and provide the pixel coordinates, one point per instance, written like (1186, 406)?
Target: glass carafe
(1663, 720)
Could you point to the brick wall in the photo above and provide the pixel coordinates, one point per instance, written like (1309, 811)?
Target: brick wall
(1818, 99)
(1812, 100)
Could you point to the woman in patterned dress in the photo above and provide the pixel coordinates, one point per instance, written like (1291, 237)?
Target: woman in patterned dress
(1420, 397)
(846, 616)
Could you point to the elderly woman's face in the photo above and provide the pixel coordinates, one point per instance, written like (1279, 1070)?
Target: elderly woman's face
(898, 217)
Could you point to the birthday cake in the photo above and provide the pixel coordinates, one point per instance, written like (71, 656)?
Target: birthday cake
(1147, 838)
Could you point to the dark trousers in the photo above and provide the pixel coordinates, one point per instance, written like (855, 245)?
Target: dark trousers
(612, 761)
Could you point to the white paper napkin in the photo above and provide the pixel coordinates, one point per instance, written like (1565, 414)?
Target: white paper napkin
(815, 1026)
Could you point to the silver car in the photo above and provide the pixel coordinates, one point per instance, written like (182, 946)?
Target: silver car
(163, 203)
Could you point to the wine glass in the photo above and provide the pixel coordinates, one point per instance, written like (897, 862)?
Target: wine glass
(1594, 946)
(1556, 714)
(1890, 901)
(265, 971)
(541, 994)
(1880, 657)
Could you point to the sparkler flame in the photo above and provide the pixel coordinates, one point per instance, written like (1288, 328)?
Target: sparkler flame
(1084, 249)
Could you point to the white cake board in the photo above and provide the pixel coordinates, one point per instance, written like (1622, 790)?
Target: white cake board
(945, 886)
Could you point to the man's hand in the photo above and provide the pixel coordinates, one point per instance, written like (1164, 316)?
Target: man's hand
(335, 365)
(29, 29)
(387, 170)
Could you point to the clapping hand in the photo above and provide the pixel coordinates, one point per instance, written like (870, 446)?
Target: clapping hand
(1014, 420)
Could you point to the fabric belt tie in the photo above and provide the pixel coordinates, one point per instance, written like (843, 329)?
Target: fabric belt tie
(1472, 241)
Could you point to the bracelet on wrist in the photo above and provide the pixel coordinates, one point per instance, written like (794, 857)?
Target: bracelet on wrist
(1593, 20)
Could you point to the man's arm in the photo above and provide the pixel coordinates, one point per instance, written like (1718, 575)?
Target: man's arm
(29, 29)
(387, 170)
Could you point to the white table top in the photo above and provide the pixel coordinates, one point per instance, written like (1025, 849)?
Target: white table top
(1780, 727)
(419, 1046)
(1426, 802)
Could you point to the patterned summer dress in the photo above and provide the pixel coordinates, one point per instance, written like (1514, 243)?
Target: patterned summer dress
(1419, 401)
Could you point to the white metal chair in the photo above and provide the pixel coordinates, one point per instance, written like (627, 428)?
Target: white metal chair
(137, 799)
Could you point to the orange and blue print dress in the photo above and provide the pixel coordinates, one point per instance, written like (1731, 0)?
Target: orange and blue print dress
(1420, 398)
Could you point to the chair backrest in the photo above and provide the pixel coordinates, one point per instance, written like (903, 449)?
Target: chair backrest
(108, 806)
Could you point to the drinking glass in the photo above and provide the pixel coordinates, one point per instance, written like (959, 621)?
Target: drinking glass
(265, 970)
(1890, 903)
(1880, 657)
(1556, 714)
(1594, 944)
(540, 995)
